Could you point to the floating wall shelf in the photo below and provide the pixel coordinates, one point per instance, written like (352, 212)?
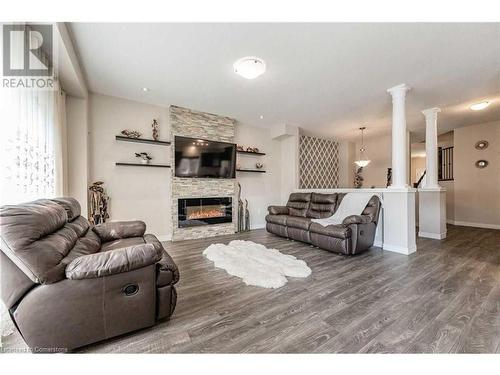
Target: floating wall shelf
(250, 152)
(251, 170)
(143, 165)
(142, 140)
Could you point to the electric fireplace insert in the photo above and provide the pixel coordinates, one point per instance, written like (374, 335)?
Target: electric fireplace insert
(204, 211)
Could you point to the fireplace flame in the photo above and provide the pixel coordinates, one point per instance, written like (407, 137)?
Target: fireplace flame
(206, 213)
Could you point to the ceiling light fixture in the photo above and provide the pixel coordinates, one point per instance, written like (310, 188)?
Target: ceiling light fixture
(261, 117)
(480, 106)
(363, 161)
(249, 67)
(145, 89)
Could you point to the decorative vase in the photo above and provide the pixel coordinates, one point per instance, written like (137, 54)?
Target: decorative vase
(259, 165)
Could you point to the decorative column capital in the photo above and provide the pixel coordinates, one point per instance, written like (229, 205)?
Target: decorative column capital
(431, 112)
(399, 90)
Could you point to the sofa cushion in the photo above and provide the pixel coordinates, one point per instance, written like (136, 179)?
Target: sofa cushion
(277, 219)
(372, 208)
(71, 206)
(118, 244)
(36, 238)
(338, 231)
(115, 230)
(112, 262)
(298, 222)
(298, 204)
(322, 205)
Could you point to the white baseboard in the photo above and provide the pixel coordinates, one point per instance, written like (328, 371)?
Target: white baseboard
(435, 236)
(470, 224)
(400, 249)
(378, 243)
(258, 226)
(164, 237)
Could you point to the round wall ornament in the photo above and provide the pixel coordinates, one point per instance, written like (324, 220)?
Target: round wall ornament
(481, 145)
(482, 164)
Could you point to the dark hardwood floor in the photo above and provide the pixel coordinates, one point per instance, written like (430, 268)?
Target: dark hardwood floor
(443, 299)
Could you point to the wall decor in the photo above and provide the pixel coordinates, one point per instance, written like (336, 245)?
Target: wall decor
(144, 156)
(156, 129)
(98, 202)
(131, 133)
(259, 165)
(358, 178)
(318, 163)
(481, 145)
(243, 213)
(240, 148)
(482, 164)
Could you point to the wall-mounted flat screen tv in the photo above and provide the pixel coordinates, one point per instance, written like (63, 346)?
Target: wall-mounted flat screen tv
(203, 158)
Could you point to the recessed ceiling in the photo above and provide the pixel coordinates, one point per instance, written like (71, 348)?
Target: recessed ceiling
(327, 78)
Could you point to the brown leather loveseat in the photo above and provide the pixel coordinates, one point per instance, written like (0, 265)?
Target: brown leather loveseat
(67, 284)
(355, 235)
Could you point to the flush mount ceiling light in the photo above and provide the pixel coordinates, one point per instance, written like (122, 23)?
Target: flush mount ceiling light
(479, 106)
(145, 89)
(363, 161)
(249, 67)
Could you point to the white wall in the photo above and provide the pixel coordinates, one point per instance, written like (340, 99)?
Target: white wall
(135, 192)
(477, 191)
(77, 150)
(261, 189)
(378, 150)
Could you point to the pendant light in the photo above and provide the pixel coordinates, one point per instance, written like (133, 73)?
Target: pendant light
(363, 161)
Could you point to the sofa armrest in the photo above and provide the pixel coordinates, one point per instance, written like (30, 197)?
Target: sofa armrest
(277, 210)
(116, 230)
(112, 262)
(357, 219)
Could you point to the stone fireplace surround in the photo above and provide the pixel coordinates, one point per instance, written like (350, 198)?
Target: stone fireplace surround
(189, 123)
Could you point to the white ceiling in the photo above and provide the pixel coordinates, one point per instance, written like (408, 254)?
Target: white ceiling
(327, 78)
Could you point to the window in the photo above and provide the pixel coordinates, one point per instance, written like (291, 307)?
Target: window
(27, 145)
(445, 166)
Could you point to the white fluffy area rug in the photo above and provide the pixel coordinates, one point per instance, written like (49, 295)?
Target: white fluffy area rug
(256, 264)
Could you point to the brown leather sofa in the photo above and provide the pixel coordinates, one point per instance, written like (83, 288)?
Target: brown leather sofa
(355, 235)
(67, 284)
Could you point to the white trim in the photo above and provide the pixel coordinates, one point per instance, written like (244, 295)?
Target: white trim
(164, 237)
(477, 225)
(435, 236)
(400, 249)
(378, 243)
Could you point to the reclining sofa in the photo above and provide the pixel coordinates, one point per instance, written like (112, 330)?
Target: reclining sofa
(67, 284)
(355, 235)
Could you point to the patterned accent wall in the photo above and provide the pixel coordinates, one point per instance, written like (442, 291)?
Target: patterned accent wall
(318, 163)
(188, 123)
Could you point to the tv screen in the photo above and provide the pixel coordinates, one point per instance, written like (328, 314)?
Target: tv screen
(202, 158)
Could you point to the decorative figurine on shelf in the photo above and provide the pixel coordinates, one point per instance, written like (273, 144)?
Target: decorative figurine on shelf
(249, 149)
(259, 165)
(98, 201)
(240, 148)
(358, 178)
(145, 157)
(156, 128)
(255, 149)
(131, 133)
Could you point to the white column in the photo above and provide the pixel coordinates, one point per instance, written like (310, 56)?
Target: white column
(431, 148)
(399, 198)
(399, 144)
(431, 197)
